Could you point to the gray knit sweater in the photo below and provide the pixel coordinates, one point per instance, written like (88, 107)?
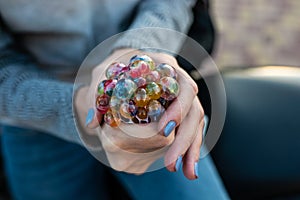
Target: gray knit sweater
(43, 40)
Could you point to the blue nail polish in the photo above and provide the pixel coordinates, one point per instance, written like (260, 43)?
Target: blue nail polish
(178, 163)
(196, 172)
(89, 117)
(169, 128)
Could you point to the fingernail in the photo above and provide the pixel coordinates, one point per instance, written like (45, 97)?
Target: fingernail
(89, 117)
(178, 163)
(196, 172)
(169, 128)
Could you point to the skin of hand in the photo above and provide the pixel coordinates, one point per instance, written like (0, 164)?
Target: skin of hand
(177, 136)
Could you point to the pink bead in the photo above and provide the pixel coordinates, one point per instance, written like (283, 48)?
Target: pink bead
(134, 73)
(144, 67)
(109, 86)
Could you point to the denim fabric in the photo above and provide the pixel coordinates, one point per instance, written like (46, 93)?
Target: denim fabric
(40, 166)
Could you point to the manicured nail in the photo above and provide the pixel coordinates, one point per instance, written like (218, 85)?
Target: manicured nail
(178, 163)
(196, 172)
(89, 117)
(169, 128)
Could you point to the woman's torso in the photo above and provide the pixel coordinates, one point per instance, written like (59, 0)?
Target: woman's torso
(59, 34)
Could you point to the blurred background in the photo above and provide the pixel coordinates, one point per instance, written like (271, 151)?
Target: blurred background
(258, 153)
(255, 32)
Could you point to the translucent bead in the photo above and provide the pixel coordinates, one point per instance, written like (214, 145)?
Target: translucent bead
(125, 114)
(102, 103)
(141, 98)
(110, 119)
(125, 89)
(145, 58)
(152, 76)
(133, 73)
(153, 90)
(114, 104)
(101, 87)
(155, 110)
(109, 86)
(166, 70)
(141, 66)
(142, 113)
(170, 88)
(140, 82)
(114, 70)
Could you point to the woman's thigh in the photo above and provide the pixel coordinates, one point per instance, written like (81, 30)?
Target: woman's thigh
(40, 166)
(163, 184)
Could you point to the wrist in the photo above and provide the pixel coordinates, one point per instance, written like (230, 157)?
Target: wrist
(80, 105)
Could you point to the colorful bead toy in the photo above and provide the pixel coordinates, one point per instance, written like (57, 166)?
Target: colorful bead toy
(139, 92)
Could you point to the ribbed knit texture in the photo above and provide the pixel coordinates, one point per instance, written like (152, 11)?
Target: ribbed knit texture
(29, 97)
(168, 14)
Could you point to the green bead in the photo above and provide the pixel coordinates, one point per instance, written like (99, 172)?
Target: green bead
(101, 87)
(153, 90)
(170, 88)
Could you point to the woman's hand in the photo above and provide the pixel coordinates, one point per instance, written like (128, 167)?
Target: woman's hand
(126, 152)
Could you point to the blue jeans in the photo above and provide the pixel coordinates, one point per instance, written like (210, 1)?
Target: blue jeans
(40, 166)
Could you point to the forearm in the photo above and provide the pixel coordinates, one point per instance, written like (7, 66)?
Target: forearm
(31, 98)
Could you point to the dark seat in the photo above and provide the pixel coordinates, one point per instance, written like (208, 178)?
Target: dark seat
(258, 154)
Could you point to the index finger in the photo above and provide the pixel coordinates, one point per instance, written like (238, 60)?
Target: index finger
(177, 111)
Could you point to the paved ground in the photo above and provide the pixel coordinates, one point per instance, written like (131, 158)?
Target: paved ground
(257, 32)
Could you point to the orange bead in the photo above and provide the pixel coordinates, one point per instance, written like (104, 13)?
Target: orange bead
(110, 119)
(141, 98)
(142, 113)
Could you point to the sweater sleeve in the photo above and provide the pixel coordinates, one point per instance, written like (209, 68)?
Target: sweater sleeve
(153, 20)
(30, 98)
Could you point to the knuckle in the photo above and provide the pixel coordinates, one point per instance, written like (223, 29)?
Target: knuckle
(199, 109)
(201, 112)
(194, 87)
